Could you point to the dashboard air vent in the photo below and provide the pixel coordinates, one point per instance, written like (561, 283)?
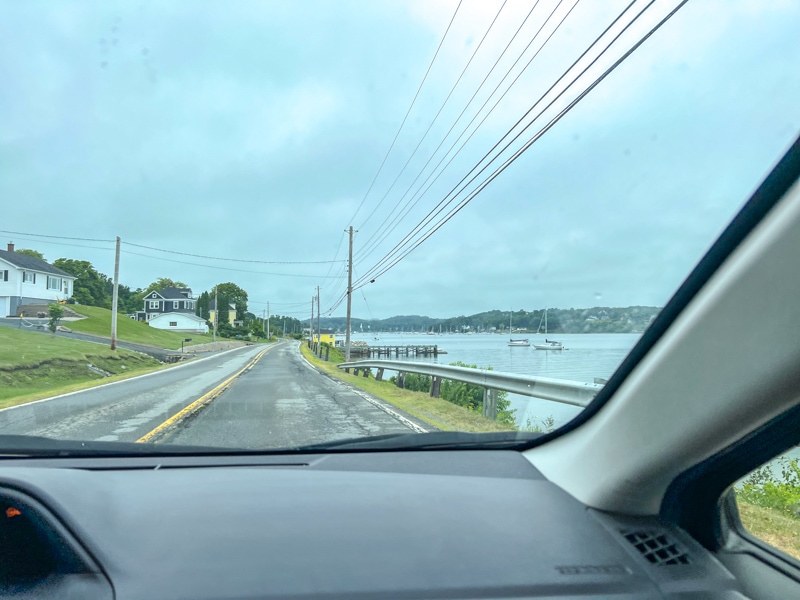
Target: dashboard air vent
(657, 547)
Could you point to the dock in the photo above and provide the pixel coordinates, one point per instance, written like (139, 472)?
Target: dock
(389, 351)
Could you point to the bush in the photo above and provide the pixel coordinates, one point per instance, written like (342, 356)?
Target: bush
(779, 492)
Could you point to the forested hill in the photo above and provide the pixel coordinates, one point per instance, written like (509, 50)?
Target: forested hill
(600, 319)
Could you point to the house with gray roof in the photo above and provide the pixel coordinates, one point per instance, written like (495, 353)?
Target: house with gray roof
(25, 280)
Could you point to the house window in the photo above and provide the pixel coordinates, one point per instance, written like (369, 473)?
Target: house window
(53, 283)
(66, 287)
(3, 275)
(153, 304)
(28, 277)
(173, 323)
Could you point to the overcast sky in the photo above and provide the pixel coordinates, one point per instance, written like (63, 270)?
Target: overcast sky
(253, 130)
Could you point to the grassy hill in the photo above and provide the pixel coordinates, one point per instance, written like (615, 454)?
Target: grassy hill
(98, 322)
(35, 365)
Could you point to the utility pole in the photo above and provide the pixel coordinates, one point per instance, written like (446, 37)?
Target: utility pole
(349, 297)
(268, 336)
(311, 323)
(216, 313)
(284, 327)
(115, 299)
(319, 331)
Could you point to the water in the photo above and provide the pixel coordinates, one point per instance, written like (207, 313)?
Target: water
(587, 356)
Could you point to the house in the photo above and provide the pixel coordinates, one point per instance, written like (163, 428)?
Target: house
(168, 300)
(173, 309)
(326, 335)
(212, 312)
(25, 280)
(179, 321)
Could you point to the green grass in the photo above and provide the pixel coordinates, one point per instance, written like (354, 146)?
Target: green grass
(771, 526)
(434, 411)
(34, 365)
(99, 323)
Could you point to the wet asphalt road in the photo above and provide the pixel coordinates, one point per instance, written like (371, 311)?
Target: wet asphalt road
(284, 402)
(280, 402)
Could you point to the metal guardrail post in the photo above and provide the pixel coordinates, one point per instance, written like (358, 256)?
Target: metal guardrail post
(436, 386)
(490, 403)
(366, 372)
(379, 375)
(401, 379)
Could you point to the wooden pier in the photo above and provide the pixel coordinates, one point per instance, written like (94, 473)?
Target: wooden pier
(389, 351)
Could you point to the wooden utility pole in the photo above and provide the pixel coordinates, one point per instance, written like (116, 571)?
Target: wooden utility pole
(115, 299)
(349, 297)
(216, 313)
(268, 336)
(319, 331)
(311, 323)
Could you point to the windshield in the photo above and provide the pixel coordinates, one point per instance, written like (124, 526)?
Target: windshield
(281, 225)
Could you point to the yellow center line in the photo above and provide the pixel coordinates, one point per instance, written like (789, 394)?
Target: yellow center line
(199, 403)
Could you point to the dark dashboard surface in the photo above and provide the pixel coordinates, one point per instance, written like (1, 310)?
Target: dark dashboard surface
(470, 524)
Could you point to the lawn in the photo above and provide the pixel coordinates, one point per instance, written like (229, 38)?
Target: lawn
(35, 365)
(434, 411)
(99, 323)
(771, 526)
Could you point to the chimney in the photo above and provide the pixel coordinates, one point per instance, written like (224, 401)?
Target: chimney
(10, 246)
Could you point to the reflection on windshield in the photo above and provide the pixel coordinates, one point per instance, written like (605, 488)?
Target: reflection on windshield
(286, 225)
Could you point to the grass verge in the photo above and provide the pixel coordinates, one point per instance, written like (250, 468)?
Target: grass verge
(35, 366)
(98, 322)
(771, 526)
(434, 411)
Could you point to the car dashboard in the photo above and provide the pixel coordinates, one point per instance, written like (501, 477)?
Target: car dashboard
(426, 524)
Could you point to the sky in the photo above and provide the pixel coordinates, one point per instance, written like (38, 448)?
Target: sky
(260, 131)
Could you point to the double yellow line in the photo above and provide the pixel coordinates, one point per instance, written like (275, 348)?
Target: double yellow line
(199, 403)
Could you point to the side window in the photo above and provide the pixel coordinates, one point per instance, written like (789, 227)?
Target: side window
(769, 503)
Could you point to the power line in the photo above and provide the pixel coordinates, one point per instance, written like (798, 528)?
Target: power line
(182, 262)
(536, 137)
(368, 247)
(240, 260)
(57, 237)
(436, 116)
(452, 194)
(408, 112)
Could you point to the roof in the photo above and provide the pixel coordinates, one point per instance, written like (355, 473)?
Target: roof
(170, 293)
(213, 305)
(30, 263)
(172, 315)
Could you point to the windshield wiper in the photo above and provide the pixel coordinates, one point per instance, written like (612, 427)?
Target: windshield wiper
(23, 446)
(438, 440)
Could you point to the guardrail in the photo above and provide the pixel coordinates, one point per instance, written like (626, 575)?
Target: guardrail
(556, 390)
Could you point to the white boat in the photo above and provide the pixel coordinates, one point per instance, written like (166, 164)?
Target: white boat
(548, 344)
(512, 341)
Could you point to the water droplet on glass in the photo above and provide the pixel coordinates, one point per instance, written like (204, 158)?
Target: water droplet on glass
(145, 51)
(114, 41)
(103, 64)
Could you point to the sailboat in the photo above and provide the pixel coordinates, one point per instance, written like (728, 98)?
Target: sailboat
(512, 341)
(548, 344)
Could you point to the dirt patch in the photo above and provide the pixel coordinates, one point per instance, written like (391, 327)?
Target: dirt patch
(215, 346)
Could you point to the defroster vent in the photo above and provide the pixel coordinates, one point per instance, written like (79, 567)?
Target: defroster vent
(657, 547)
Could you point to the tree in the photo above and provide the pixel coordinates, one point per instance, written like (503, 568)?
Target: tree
(161, 283)
(31, 253)
(90, 285)
(202, 306)
(56, 312)
(229, 293)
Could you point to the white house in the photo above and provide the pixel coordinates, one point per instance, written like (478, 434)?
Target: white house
(179, 321)
(25, 280)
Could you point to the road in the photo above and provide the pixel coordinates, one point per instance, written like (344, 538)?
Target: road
(280, 402)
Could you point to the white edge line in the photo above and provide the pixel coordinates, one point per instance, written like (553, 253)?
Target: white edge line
(194, 362)
(378, 404)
